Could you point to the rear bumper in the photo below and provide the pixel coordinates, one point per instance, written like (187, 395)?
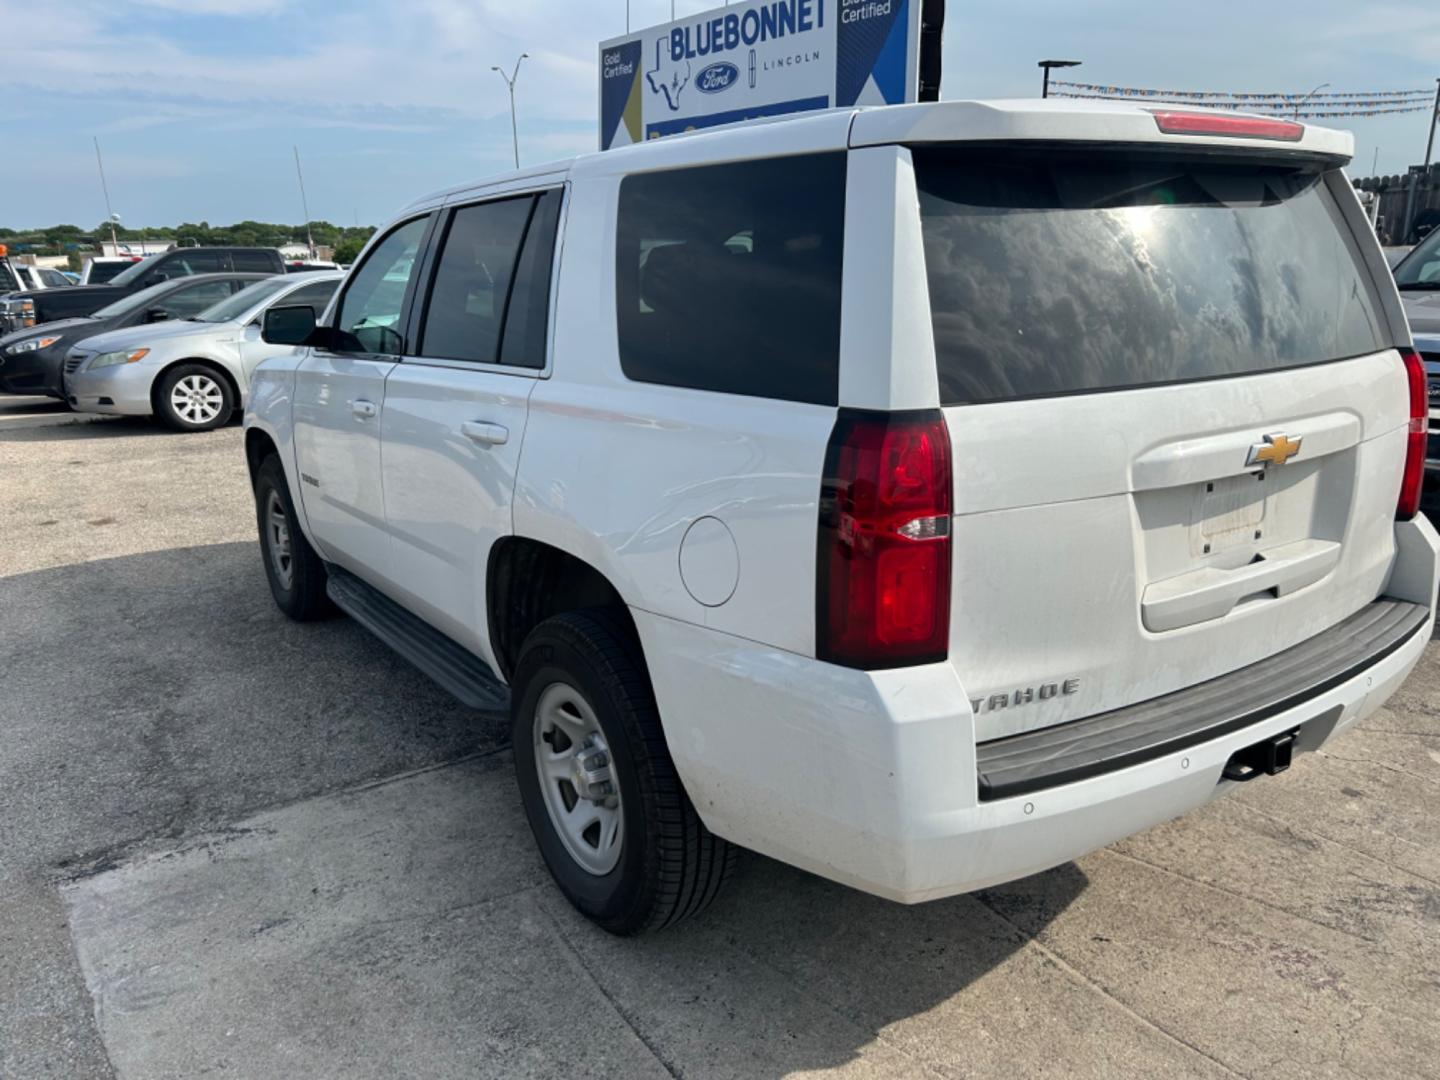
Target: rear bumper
(872, 778)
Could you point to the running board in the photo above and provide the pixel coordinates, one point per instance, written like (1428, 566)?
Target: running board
(458, 670)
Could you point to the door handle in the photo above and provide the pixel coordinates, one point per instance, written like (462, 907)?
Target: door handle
(478, 431)
(364, 409)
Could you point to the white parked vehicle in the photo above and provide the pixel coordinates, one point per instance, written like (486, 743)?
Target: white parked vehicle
(191, 373)
(923, 496)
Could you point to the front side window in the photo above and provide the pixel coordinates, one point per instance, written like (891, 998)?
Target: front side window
(242, 301)
(1420, 270)
(728, 277)
(370, 311)
(193, 299)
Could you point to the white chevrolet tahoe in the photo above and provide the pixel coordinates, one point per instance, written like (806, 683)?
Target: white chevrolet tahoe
(923, 496)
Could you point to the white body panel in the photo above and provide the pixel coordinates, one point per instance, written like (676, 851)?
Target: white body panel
(447, 495)
(1078, 536)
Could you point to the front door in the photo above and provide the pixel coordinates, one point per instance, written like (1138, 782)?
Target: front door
(455, 409)
(339, 399)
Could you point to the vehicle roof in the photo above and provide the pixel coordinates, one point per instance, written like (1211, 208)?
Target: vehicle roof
(1020, 119)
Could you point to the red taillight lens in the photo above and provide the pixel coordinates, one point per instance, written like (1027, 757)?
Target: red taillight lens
(1414, 478)
(1235, 127)
(883, 572)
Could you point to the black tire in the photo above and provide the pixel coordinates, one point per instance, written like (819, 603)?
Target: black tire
(207, 381)
(302, 596)
(670, 866)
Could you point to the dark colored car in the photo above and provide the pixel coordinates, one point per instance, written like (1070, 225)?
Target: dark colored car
(32, 360)
(21, 310)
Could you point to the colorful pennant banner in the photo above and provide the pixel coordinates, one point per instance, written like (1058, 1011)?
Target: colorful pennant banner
(1335, 97)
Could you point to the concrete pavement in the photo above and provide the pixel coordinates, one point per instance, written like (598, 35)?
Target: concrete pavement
(232, 843)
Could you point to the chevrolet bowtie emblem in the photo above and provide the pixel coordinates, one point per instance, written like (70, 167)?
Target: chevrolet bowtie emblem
(1275, 450)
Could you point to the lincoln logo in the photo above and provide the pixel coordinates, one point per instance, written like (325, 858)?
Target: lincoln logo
(1275, 450)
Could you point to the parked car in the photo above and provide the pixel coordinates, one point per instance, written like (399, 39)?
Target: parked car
(99, 269)
(1418, 276)
(27, 308)
(191, 375)
(32, 361)
(1428, 346)
(15, 274)
(924, 495)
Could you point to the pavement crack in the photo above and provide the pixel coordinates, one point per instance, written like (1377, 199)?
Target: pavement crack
(1380, 765)
(1085, 980)
(1340, 843)
(1237, 894)
(620, 1010)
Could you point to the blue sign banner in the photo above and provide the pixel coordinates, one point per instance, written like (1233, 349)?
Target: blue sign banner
(754, 59)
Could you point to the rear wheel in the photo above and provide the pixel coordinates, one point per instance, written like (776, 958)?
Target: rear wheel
(194, 397)
(295, 572)
(612, 821)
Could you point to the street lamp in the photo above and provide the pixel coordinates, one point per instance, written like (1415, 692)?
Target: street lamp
(1307, 97)
(1047, 65)
(510, 85)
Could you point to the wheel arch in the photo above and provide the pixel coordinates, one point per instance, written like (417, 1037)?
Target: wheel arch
(527, 581)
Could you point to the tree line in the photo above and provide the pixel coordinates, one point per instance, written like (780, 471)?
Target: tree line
(72, 239)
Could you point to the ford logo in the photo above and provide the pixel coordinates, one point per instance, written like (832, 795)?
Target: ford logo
(717, 77)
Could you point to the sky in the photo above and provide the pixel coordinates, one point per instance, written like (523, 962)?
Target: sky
(197, 103)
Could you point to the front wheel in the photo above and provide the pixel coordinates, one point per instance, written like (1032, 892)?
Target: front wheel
(295, 572)
(194, 397)
(609, 814)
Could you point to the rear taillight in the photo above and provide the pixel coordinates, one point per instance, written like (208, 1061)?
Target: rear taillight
(1172, 122)
(1414, 478)
(883, 572)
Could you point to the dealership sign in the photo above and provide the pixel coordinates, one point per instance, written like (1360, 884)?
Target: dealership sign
(762, 58)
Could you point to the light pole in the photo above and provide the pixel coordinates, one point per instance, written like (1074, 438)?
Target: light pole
(111, 216)
(1301, 104)
(510, 85)
(304, 205)
(1415, 177)
(1047, 65)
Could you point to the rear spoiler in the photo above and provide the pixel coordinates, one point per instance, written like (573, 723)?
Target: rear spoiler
(1048, 120)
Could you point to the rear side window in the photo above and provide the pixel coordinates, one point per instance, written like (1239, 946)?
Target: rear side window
(473, 276)
(316, 296)
(101, 272)
(1056, 272)
(254, 261)
(728, 277)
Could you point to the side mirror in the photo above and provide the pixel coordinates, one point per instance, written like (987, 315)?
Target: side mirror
(157, 277)
(157, 314)
(292, 325)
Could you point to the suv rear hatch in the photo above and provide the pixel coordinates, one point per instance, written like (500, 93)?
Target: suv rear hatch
(1177, 422)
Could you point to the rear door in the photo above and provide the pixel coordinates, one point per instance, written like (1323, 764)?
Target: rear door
(1176, 418)
(339, 398)
(456, 405)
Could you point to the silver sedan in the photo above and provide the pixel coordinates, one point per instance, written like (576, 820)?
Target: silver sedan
(193, 374)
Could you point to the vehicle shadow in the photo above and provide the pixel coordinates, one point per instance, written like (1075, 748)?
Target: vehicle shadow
(197, 704)
(108, 427)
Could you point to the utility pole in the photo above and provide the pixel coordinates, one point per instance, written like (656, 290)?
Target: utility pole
(109, 213)
(510, 85)
(1047, 65)
(1416, 177)
(304, 205)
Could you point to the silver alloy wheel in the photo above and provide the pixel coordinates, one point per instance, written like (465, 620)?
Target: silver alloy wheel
(197, 399)
(277, 532)
(581, 794)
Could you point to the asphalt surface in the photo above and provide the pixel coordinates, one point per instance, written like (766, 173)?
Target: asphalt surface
(230, 844)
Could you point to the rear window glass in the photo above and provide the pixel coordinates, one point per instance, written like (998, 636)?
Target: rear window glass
(1054, 272)
(728, 277)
